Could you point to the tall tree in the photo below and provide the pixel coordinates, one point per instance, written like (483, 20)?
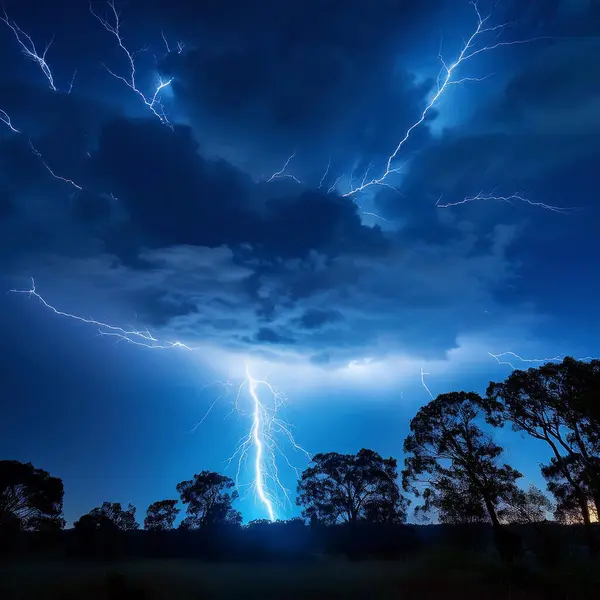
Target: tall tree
(208, 500)
(161, 515)
(557, 403)
(110, 515)
(351, 487)
(454, 465)
(29, 496)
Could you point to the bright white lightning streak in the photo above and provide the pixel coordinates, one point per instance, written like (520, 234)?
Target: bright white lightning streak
(180, 45)
(5, 118)
(281, 174)
(153, 102)
(266, 424)
(59, 177)
(258, 462)
(424, 384)
(325, 174)
(445, 80)
(30, 51)
(512, 355)
(262, 436)
(509, 199)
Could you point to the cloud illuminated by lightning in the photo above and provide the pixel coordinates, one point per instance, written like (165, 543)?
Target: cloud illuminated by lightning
(30, 51)
(446, 79)
(267, 432)
(153, 102)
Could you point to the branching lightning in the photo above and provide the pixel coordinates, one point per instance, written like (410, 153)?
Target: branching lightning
(445, 80)
(500, 359)
(267, 429)
(518, 197)
(263, 436)
(281, 174)
(153, 101)
(5, 118)
(30, 51)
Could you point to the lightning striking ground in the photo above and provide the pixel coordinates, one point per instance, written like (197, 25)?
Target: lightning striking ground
(153, 101)
(267, 427)
(30, 51)
(267, 432)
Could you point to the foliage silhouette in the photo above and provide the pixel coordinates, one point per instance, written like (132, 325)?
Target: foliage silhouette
(30, 498)
(350, 488)
(161, 515)
(557, 403)
(208, 501)
(455, 466)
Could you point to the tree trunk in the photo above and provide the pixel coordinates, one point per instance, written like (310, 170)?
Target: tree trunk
(508, 544)
(587, 522)
(581, 500)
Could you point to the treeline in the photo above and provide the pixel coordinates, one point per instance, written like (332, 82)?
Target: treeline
(356, 504)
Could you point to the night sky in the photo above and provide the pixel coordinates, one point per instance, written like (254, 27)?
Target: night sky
(340, 300)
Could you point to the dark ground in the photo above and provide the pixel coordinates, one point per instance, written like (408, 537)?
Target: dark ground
(433, 576)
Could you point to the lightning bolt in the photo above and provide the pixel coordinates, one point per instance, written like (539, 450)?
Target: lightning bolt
(500, 359)
(180, 44)
(446, 79)
(153, 102)
(267, 427)
(325, 174)
(5, 118)
(30, 51)
(518, 197)
(424, 384)
(281, 174)
(59, 177)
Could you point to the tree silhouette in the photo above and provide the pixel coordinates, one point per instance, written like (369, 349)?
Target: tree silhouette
(110, 515)
(30, 497)
(557, 403)
(161, 515)
(458, 463)
(351, 487)
(526, 507)
(208, 501)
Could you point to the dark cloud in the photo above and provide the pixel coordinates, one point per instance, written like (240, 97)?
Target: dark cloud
(202, 249)
(174, 196)
(315, 318)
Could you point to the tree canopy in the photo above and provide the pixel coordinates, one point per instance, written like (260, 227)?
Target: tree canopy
(29, 497)
(557, 404)
(351, 487)
(208, 500)
(111, 515)
(453, 464)
(161, 515)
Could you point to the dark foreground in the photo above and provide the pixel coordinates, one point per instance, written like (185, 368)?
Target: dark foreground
(429, 577)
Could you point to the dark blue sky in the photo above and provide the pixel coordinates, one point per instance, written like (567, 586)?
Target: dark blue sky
(339, 300)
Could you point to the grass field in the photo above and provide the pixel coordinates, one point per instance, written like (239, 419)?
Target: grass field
(181, 579)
